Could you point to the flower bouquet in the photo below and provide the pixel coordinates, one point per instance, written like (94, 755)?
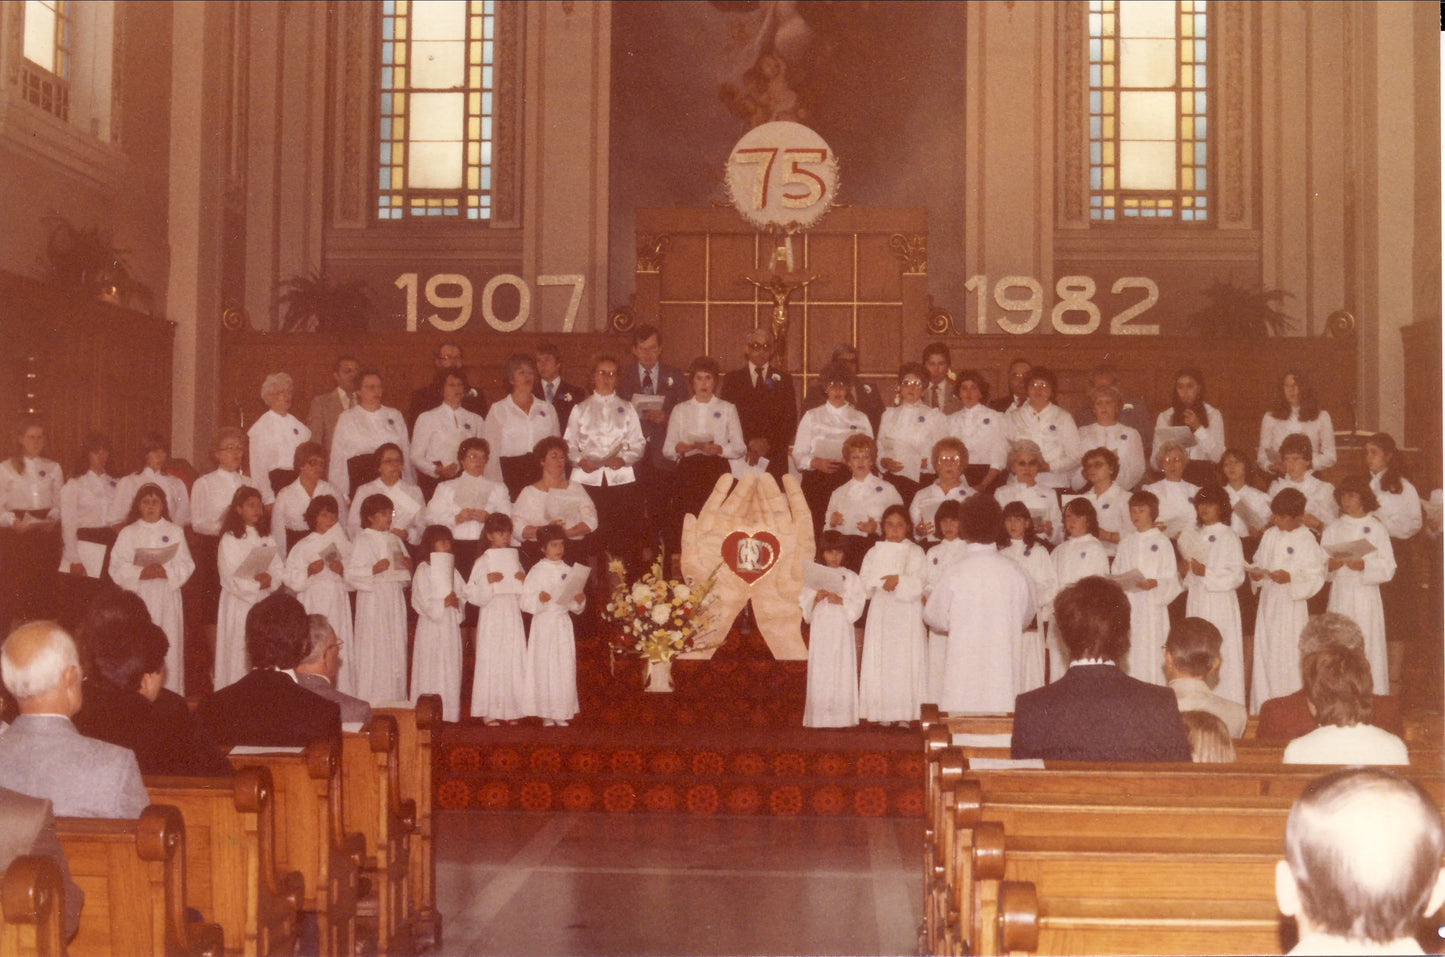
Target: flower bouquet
(656, 618)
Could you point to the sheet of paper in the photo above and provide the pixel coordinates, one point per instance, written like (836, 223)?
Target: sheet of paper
(905, 454)
(1130, 580)
(1348, 551)
(562, 507)
(1005, 764)
(823, 578)
(330, 553)
(740, 466)
(255, 749)
(891, 557)
(1181, 434)
(91, 555)
(506, 562)
(648, 403)
(258, 561)
(573, 584)
(828, 448)
(1249, 516)
(146, 557)
(442, 566)
(1175, 527)
(1192, 545)
(968, 740)
(472, 495)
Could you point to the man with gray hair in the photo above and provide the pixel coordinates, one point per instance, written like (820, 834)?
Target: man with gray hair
(317, 671)
(1288, 717)
(42, 754)
(1361, 864)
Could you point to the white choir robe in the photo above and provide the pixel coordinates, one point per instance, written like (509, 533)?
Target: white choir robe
(272, 445)
(512, 431)
(326, 593)
(910, 431)
(1319, 495)
(37, 486)
(84, 503)
(1123, 441)
(499, 676)
(447, 500)
(1151, 553)
(600, 425)
(832, 698)
(437, 435)
(380, 628)
(1208, 441)
(359, 431)
(289, 510)
(408, 508)
(823, 425)
(981, 430)
(983, 602)
(1075, 558)
(1257, 501)
(1035, 562)
(937, 561)
(859, 497)
(1356, 594)
(924, 507)
(1039, 499)
(1214, 597)
(1283, 610)
(1054, 432)
(1400, 511)
(551, 647)
(162, 596)
(1320, 431)
(717, 419)
(237, 597)
(891, 679)
(1111, 507)
(436, 657)
(178, 498)
(530, 508)
(211, 496)
(1176, 501)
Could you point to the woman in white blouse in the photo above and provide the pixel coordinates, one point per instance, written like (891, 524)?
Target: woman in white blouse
(462, 504)
(361, 430)
(1049, 427)
(288, 515)
(907, 433)
(439, 432)
(982, 431)
(274, 437)
(515, 424)
(1107, 432)
(555, 500)
(155, 453)
(1296, 411)
(1188, 410)
(1403, 518)
(408, 519)
(30, 488)
(950, 460)
(1175, 493)
(818, 444)
(84, 534)
(704, 435)
(604, 441)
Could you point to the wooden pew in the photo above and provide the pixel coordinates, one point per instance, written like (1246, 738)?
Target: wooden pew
(231, 859)
(32, 909)
(416, 734)
(311, 836)
(133, 873)
(373, 805)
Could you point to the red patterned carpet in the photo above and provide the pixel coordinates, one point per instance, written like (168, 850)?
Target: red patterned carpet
(728, 740)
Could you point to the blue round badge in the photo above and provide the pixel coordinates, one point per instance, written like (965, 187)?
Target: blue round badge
(1289, 550)
(986, 421)
(165, 538)
(879, 489)
(1211, 538)
(1153, 548)
(717, 415)
(920, 418)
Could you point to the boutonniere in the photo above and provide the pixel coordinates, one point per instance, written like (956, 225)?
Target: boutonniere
(717, 415)
(471, 393)
(1153, 548)
(775, 378)
(669, 382)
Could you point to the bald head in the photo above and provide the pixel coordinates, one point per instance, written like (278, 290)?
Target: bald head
(40, 667)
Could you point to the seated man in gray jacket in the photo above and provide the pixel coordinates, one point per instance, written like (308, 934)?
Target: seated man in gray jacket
(317, 671)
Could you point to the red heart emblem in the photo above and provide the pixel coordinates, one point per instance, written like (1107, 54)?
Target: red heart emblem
(750, 554)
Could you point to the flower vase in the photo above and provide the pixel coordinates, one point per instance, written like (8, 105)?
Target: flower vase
(658, 676)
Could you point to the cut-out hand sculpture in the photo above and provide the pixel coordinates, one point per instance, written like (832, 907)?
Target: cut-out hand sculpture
(758, 538)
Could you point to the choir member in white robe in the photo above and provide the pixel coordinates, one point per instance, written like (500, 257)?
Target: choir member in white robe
(818, 444)
(891, 678)
(551, 645)
(907, 433)
(211, 496)
(499, 677)
(318, 578)
(832, 697)
(983, 602)
(937, 561)
(1175, 495)
(1022, 544)
(604, 442)
(160, 589)
(436, 596)
(1289, 569)
(288, 513)
(155, 453)
(1355, 583)
(409, 519)
(950, 460)
(1399, 501)
(1215, 561)
(1249, 521)
(240, 537)
(363, 429)
(1320, 507)
(1149, 553)
(379, 571)
(1187, 409)
(856, 507)
(704, 438)
(1296, 412)
(1079, 555)
(462, 504)
(981, 429)
(1025, 460)
(30, 484)
(515, 424)
(555, 500)
(85, 501)
(1107, 432)
(275, 435)
(439, 432)
(1049, 427)
(1110, 501)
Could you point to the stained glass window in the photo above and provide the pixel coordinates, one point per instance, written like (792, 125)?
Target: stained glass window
(1148, 111)
(45, 72)
(436, 108)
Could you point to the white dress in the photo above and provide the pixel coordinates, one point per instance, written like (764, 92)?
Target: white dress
(1041, 501)
(408, 508)
(924, 506)
(466, 491)
(436, 656)
(211, 496)
(510, 431)
(1214, 597)
(84, 503)
(1208, 441)
(162, 596)
(289, 510)
(237, 597)
(326, 593)
(1075, 558)
(1176, 503)
(499, 678)
(273, 446)
(983, 601)
(1054, 432)
(1320, 431)
(981, 430)
(359, 431)
(536, 507)
(1282, 610)
(832, 699)
(551, 647)
(1319, 495)
(438, 433)
(891, 680)
(1111, 508)
(380, 630)
(936, 562)
(178, 499)
(1356, 594)
(1152, 554)
(1039, 566)
(907, 433)
(1123, 441)
(1400, 511)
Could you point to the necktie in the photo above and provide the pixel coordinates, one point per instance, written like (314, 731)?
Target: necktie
(757, 376)
(647, 383)
(551, 391)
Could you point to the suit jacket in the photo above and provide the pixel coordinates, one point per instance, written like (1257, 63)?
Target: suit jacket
(321, 418)
(1288, 717)
(1004, 403)
(767, 410)
(164, 736)
(268, 709)
(27, 826)
(951, 402)
(430, 396)
(353, 710)
(1098, 713)
(673, 388)
(567, 396)
(45, 756)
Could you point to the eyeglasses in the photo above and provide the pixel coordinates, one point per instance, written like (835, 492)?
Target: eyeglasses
(758, 345)
(232, 448)
(606, 374)
(912, 383)
(943, 459)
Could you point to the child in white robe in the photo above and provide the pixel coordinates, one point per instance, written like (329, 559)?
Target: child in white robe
(316, 572)
(1024, 461)
(159, 586)
(856, 507)
(240, 537)
(1288, 570)
(1151, 554)
(1110, 500)
(499, 678)
(1021, 542)
(379, 570)
(948, 549)
(1080, 555)
(832, 698)
(1213, 560)
(1296, 454)
(436, 655)
(1355, 582)
(891, 681)
(551, 646)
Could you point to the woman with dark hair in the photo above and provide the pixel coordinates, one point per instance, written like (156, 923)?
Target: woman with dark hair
(515, 424)
(241, 538)
(462, 504)
(155, 453)
(1188, 410)
(409, 515)
(439, 432)
(604, 442)
(360, 432)
(30, 487)
(85, 537)
(981, 430)
(818, 444)
(704, 436)
(554, 500)
(288, 513)
(1402, 516)
(1355, 582)
(1051, 428)
(1296, 411)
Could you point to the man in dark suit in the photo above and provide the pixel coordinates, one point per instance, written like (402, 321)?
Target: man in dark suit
(445, 358)
(268, 708)
(550, 386)
(767, 405)
(938, 393)
(1018, 386)
(649, 375)
(1095, 712)
(327, 407)
(318, 670)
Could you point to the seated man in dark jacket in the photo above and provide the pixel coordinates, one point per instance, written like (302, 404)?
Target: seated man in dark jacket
(268, 708)
(1095, 712)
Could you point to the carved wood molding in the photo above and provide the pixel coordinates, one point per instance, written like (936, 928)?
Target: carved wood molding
(1234, 122)
(506, 123)
(650, 251)
(911, 251)
(1073, 144)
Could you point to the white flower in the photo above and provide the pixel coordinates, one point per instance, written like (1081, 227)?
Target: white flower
(660, 614)
(641, 592)
(681, 591)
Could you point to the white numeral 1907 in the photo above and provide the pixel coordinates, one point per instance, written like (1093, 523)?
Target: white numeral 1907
(453, 291)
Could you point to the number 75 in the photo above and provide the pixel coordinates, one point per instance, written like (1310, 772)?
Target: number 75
(814, 189)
